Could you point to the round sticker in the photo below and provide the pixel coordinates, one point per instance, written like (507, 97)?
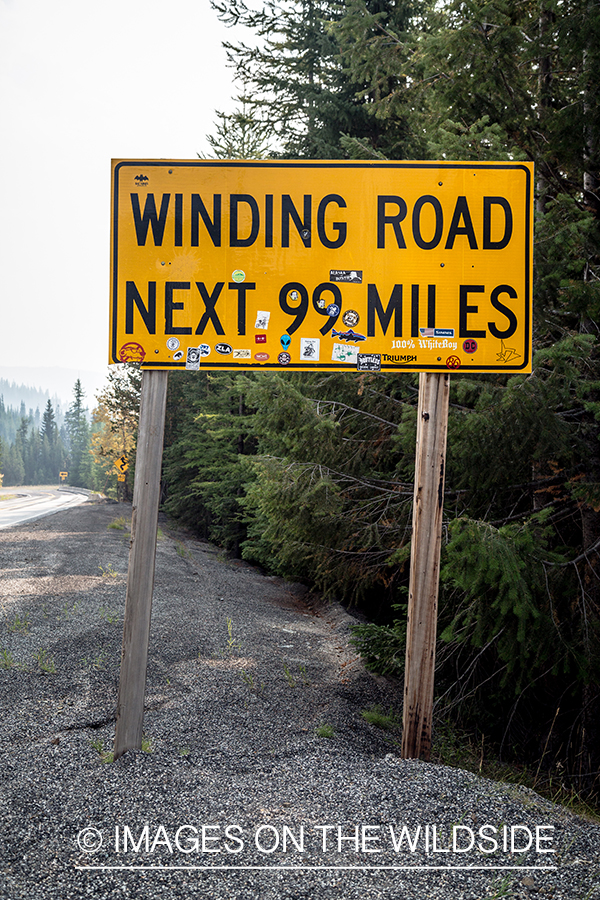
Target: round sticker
(224, 349)
(453, 362)
(238, 276)
(284, 359)
(177, 356)
(333, 310)
(351, 318)
(469, 346)
(132, 352)
(204, 349)
(261, 357)
(173, 343)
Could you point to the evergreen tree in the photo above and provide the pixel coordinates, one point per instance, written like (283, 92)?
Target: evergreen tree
(78, 432)
(49, 430)
(293, 78)
(240, 135)
(14, 470)
(21, 448)
(207, 437)
(34, 472)
(9, 422)
(329, 501)
(50, 453)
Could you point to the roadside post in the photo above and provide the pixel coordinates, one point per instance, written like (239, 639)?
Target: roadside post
(373, 266)
(142, 555)
(428, 506)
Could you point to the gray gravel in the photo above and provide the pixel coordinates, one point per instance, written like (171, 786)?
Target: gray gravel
(243, 669)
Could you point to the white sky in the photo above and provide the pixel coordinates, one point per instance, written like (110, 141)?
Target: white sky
(82, 82)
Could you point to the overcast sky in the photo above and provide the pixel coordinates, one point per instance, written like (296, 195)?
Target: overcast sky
(83, 82)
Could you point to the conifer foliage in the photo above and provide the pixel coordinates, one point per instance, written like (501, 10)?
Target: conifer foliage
(208, 436)
(78, 432)
(311, 476)
(291, 76)
(38, 451)
(45, 444)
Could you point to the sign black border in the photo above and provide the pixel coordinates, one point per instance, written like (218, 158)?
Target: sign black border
(325, 164)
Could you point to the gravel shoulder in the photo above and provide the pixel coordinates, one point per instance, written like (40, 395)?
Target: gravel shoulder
(237, 794)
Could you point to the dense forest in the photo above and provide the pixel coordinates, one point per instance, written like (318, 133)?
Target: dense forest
(311, 475)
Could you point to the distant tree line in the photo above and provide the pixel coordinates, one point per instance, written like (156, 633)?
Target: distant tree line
(46, 445)
(18, 400)
(84, 445)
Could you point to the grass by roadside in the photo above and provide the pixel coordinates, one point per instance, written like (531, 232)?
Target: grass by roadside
(451, 747)
(459, 750)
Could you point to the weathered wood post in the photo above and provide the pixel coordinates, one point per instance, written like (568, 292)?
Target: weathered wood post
(142, 554)
(428, 504)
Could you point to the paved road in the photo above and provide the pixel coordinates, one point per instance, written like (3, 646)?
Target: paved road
(23, 504)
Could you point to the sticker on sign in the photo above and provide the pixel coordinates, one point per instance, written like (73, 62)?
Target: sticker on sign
(368, 362)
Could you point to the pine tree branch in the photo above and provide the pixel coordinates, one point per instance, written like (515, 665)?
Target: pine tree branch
(361, 412)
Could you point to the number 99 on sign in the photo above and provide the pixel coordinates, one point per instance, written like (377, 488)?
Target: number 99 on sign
(293, 301)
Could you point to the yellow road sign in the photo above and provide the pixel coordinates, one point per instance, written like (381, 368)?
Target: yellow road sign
(121, 465)
(321, 266)
(63, 475)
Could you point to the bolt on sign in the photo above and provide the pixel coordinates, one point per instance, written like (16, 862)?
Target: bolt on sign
(322, 265)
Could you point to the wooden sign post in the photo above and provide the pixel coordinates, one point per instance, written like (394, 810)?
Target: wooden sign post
(432, 430)
(142, 554)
